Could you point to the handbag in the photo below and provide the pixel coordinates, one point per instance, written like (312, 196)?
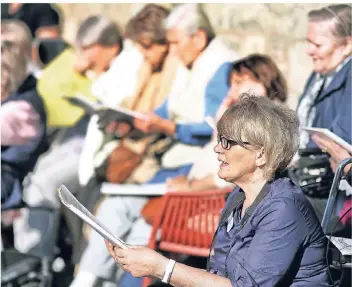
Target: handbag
(313, 173)
(121, 163)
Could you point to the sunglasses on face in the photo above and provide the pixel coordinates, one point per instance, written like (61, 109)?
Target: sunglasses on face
(226, 143)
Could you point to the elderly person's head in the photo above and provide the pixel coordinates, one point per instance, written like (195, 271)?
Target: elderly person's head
(18, 33)
(329, 37)
(259, 75)
(98, 42)
(16, 40)
(257, 138)
(146, 29)
(14, 67)
(7, 83)
(188, 32)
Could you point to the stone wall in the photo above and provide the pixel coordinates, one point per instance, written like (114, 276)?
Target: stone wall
(278, 30)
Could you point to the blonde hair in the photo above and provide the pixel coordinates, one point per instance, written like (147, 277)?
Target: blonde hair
(263, 123)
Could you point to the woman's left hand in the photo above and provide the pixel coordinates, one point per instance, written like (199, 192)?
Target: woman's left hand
(336, 152)
(138, 260)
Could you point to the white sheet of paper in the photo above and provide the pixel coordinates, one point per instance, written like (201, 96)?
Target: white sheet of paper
(71, 202)
(329, 134)
(133, 189)
(97, 105)
(342, 244)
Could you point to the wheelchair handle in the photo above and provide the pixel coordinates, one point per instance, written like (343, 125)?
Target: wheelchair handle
(333, 193)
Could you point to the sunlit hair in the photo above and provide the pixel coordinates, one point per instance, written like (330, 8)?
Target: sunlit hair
(340, 14)
(265, 71)
(263, 123)
(190, 18)
(148, 22)
(98, 29)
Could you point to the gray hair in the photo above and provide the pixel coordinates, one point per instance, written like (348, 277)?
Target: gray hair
(189, 18)
(100, 30)
(340, 15)
(263, 123)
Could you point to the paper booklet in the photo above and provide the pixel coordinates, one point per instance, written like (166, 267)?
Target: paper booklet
(342, 244)
(91, 107)
(134, 189)
(329, 134)
(76, 207)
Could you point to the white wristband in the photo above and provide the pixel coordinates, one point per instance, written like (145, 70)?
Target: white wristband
(168, 271)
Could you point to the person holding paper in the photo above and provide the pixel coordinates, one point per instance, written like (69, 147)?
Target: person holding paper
(326, 99)
(257, 74)
(268, 233)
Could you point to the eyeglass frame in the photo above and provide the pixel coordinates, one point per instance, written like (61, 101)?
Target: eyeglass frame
(228, 144)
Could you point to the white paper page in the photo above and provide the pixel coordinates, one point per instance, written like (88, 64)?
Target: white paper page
(97, 105)
(330, 135)
(133, 189)
(67, 198)
(342, 244)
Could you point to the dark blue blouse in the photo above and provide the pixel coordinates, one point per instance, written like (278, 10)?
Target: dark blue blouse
(282, 243)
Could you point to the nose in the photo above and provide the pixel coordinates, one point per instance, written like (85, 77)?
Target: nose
(310, 49)
(218, 148)
(173, 49)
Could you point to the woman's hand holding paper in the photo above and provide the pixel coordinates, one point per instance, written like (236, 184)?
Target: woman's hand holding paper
(336, 152)
(139, 261)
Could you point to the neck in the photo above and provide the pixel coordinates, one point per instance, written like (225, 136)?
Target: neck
(252, 188)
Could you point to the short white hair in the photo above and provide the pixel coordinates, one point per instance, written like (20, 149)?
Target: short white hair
(189, 18)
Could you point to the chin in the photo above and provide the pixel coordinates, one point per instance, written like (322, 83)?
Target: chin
(317, 69)
(224, 177)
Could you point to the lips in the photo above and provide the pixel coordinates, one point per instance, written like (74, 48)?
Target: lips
(222, 163)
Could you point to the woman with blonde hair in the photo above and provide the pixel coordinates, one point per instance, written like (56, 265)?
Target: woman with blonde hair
(268, 233)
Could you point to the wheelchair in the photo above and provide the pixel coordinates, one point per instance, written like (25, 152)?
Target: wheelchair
(337, 261)
(25, 270)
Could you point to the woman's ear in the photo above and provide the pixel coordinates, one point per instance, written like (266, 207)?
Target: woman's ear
(347, 50)
(260, 158)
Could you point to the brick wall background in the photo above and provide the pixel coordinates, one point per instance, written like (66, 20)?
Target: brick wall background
(278, 30)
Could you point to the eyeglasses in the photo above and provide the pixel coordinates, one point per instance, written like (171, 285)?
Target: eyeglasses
(226, 143)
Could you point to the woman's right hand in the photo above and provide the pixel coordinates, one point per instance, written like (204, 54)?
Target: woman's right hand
(151, 123)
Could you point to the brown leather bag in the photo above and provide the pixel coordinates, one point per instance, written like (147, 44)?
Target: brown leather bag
(121, 163)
